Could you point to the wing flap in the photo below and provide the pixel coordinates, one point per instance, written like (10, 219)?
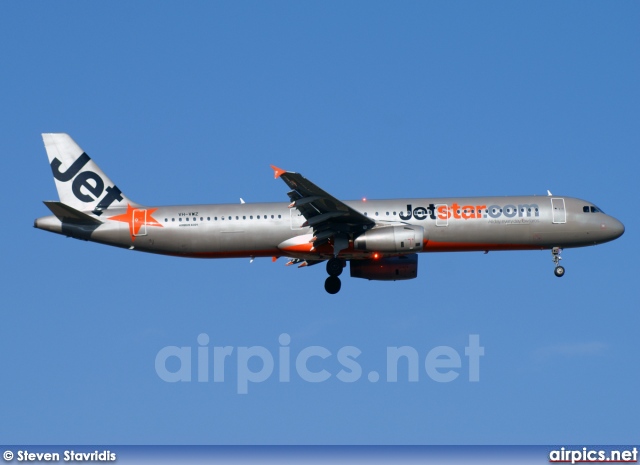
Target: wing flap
(312, 201)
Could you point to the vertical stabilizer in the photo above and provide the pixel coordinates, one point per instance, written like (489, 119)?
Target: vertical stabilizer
(80, 182)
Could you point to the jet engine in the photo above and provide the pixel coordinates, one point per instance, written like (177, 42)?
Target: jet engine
(406, 238)
(386, 268)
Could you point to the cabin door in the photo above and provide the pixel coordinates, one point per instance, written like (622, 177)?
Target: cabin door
(558, 213)
(139, 222)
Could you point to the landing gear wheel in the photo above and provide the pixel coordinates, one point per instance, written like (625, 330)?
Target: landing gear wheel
(555, 254)
(334, 268)
(332, 285)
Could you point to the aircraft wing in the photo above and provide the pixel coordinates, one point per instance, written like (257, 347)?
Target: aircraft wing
(327, 215)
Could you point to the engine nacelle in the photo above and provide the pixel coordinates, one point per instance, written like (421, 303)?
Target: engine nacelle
(386, 269)
(406, 238)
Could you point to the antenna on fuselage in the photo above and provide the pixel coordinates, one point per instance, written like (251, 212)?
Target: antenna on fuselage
(549, 193)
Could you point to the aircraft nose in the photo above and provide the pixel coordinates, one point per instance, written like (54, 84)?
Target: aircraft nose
(614, 228)
(617, 228)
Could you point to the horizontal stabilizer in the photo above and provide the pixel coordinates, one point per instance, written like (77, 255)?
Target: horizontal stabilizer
(67, 214)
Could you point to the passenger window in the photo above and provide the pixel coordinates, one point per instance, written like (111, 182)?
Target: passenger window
(179, 219)
(279, 216)
(208, 218)
(173, 219)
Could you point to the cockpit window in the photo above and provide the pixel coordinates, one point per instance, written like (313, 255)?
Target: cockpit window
(591, 209)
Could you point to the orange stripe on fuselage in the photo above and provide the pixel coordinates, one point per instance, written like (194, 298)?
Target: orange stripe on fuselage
(233, 254)
(428, 246)
(306, 248)
(435, 246)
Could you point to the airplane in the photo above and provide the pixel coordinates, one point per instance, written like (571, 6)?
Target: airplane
(380, 238)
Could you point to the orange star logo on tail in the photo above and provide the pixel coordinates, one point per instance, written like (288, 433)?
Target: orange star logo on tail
(137, 218)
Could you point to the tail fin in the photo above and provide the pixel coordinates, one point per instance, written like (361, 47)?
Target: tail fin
(80, 182)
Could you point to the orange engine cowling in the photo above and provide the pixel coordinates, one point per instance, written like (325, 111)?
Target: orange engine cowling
(386, 269)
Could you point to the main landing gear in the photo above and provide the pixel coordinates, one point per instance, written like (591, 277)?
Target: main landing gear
(559, 270)
(334, 268)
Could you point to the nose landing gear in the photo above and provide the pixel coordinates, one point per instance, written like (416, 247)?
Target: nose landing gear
(334, 268)
(559, 270)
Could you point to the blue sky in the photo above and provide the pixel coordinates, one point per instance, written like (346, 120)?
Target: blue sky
(190, 102)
